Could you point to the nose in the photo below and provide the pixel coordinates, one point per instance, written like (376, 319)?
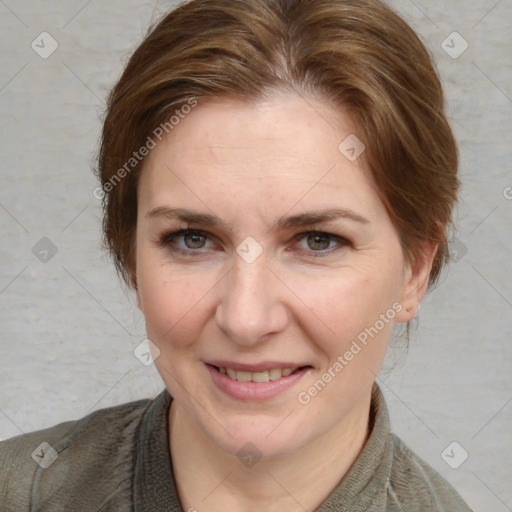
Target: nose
(251, 307)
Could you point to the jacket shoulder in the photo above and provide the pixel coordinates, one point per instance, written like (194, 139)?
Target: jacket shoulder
(56, 465)
(415, 486)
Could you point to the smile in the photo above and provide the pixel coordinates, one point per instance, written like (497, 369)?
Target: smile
(263, 384)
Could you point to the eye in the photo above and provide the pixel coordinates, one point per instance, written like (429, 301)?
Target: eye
(188, 242)
(320, 244)
(193, 241)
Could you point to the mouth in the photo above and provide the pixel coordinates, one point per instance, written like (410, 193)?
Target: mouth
(263, 376)
(256, 382)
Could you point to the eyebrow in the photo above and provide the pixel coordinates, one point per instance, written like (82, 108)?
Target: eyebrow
(300, 220)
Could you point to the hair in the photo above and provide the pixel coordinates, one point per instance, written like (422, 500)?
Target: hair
(358, 55)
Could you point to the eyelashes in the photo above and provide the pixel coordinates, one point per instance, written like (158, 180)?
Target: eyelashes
(193, 237)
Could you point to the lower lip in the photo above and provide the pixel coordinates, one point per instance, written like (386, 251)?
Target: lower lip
(254, 390)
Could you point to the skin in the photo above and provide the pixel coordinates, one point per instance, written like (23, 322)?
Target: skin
(251, 164)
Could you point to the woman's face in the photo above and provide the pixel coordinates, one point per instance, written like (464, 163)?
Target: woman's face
(263, 284)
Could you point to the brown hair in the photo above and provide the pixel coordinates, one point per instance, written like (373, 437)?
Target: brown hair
(357, 54)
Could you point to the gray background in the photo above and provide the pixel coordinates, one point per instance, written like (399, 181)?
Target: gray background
(68, 329)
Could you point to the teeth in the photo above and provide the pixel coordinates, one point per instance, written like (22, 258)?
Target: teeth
(275, 373)
(243, 376)
(260, 376)
(264, 376)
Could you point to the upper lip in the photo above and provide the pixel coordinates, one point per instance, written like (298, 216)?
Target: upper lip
(255, 367)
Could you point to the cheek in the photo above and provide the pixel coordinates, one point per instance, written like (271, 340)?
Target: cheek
(174, 304)
(348, 301)
(341, 309)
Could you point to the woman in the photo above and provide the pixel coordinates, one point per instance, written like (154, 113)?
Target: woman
(278, 180)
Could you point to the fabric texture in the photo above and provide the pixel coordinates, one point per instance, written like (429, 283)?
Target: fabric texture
(117, 459)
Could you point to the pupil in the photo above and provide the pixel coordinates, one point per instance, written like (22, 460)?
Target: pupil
(316, 239)
(195, 240)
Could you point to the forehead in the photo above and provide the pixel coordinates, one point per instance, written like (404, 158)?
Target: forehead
(277, 150)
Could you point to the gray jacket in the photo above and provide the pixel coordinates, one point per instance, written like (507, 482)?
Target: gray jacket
(117, 459)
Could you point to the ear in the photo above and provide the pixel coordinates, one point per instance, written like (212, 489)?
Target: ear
(415, 284)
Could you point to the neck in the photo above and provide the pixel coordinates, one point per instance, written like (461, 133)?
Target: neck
(209, 478)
